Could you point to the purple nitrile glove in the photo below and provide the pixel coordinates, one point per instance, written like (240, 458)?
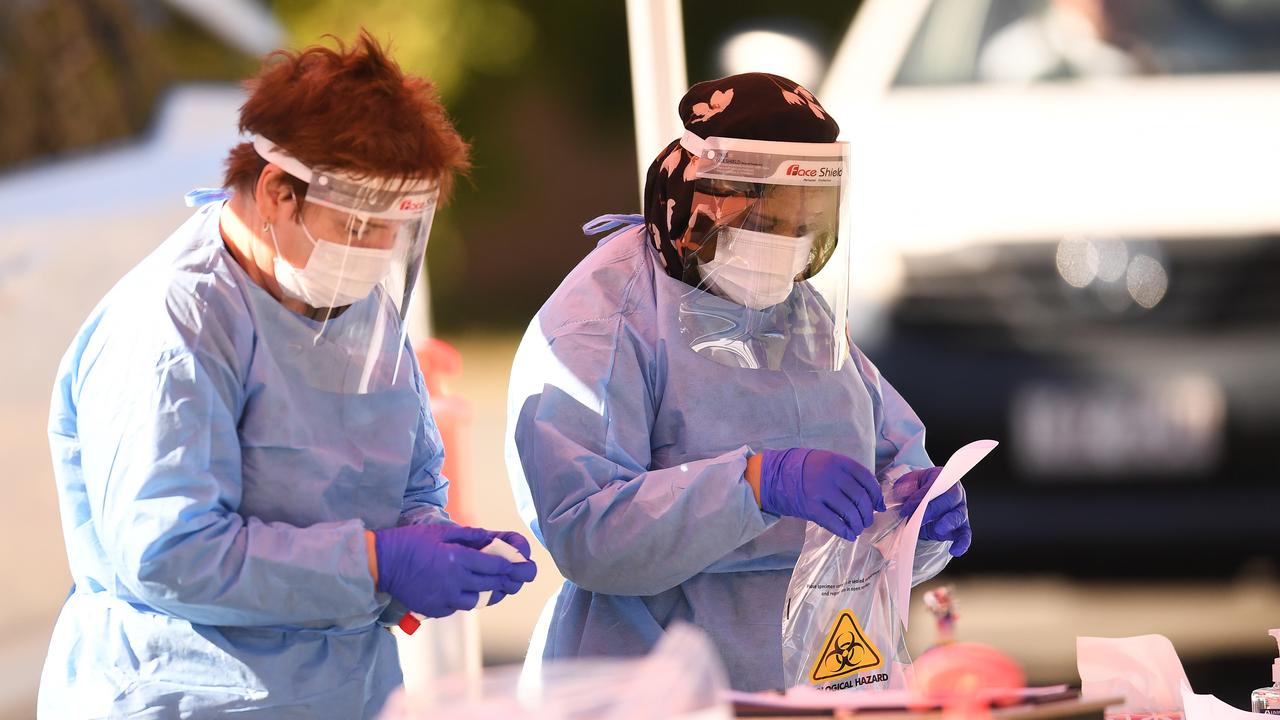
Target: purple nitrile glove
(945, 518)
(828, 488)
(436, 570)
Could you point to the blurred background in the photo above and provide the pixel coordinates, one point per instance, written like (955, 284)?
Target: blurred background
(1067, 238)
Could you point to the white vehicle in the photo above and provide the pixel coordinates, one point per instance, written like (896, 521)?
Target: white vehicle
(1068, 221)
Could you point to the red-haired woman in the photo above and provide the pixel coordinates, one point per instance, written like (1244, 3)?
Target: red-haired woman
(247, 466)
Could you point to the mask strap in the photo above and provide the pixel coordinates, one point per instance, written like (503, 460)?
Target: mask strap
(307, 231)
(271, 230)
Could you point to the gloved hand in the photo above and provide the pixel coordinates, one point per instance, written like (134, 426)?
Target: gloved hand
(828, 488)
(436, 570)
(945, 518)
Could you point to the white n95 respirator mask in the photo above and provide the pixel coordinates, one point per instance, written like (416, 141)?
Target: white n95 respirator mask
(756, 269)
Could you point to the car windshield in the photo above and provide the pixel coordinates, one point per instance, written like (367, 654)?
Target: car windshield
(1045, 41)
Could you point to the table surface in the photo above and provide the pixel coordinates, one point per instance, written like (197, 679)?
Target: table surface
(1060, 710)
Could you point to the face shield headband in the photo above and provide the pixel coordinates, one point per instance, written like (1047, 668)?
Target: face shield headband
(363, 197)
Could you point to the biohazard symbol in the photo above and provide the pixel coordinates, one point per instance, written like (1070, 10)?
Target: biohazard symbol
(847, 651)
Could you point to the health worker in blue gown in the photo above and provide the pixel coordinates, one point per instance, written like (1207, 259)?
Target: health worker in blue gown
(688, 398)
(246, 462)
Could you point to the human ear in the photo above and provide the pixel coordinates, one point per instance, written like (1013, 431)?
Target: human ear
(274, 195)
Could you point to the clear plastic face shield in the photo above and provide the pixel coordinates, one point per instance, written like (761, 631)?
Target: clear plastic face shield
(768, 254)
(365, 241)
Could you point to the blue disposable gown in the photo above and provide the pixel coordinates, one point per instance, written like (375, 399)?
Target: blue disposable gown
(214, 502)
(626, 453)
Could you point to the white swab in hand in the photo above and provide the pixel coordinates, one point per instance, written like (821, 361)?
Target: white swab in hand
(502, 550)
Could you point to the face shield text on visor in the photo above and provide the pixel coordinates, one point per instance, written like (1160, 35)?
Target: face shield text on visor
(767, 253)
(368, 237)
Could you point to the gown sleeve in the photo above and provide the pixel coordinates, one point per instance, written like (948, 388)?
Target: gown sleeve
(426, 494)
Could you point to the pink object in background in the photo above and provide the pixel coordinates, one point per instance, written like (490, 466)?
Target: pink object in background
(966, 677)
(962, 677)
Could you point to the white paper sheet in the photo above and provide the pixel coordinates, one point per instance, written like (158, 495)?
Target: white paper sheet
(1144, 669)
(961, 462)
(1208, 707)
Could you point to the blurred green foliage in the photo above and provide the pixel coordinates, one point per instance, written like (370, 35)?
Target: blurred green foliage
(447, 41)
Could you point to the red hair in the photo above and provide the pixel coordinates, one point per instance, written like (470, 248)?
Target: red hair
(347, 109)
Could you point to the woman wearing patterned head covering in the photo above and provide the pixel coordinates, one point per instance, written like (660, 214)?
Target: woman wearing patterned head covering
(687, 399)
